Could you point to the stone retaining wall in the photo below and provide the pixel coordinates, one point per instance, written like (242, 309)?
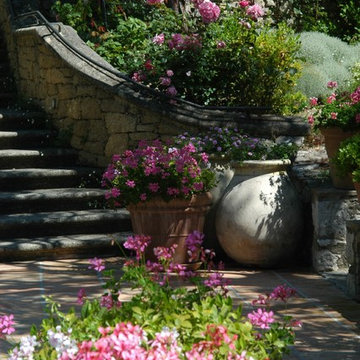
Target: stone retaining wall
(353, 256)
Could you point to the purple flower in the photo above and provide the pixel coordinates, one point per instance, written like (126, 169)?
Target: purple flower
(171, 90)
(165, 81)
(154, 187)
(130, 183)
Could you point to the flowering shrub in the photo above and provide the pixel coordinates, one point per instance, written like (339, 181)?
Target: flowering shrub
(340, 110)
(156, 170)
(161, 321)
(218, 53)
(347, 158)
(231, 144)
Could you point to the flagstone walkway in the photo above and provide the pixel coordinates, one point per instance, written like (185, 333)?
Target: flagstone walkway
(331, 321)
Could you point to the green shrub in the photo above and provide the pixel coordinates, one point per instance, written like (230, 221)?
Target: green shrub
(325, 59)
(256, 66)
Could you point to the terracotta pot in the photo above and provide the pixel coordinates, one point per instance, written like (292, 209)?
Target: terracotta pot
(357, 188)
(333, 137)
(170, 222)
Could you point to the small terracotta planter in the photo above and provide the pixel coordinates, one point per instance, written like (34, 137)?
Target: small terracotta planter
(170, 222)
(333, 137)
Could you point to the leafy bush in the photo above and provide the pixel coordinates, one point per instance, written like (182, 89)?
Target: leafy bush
(235, 58)
(325, 59)
(339, 18)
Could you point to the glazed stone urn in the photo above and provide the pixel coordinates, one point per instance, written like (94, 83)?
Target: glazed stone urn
(259, 217)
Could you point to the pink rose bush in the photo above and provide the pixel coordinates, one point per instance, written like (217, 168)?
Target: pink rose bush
(156, 170)
(162, 320)
(340, 109)
(209, 11)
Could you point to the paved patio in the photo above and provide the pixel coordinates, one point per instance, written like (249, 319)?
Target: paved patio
(331, 321)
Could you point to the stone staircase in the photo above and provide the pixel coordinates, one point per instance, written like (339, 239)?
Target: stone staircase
(49, 205)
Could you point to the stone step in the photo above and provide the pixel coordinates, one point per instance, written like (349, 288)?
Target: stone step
(14, 119)
(66, 246)
(29, 139)
(37, 178)
(40, 200)
(63, 223)
(18, 158)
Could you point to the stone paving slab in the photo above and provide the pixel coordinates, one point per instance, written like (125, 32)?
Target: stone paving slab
(331, 321)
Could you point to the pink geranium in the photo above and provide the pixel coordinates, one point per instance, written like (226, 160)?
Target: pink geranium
(261, 318)
(158, 39)
(255, 11)
(244, 4)
(209, 11)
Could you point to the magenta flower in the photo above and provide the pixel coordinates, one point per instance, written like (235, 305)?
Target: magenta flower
(154, 187)
(255, 11)
(96, 264)
(6, 324)
(332, 84)
(130, 183)
(311, 119)
(154, 2)
(355, 96)
(143, 197)
(158, 39)
(165, 81)
(137, 243)
(209, 11)
(81, 296)
(171, 90)
(313, 101)
(331, 98)
(244, 4)
(282, 292)
(261, 318)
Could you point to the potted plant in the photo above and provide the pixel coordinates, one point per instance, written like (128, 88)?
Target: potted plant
(347, 160)
(337, 117)
(166, 190)
(256, 215)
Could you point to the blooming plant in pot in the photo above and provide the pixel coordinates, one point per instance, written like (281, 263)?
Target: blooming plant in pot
(337, 117)
(347, 160)
(165, 188)
(162, 320)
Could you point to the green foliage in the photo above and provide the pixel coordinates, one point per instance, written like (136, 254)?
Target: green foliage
(339, 18)
(347, 158)
(257, 66)
(325, 59)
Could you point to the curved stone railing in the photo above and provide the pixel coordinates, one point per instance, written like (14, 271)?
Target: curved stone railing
(102, 112)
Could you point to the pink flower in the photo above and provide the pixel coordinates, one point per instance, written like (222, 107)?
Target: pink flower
(173, 191)
(176, 42)
(154, 187)
(143, 197)
(158, 39)
(244, 4)
(209, 11)
(6, 324)
(171, 90)
(333, 115)
(355, 96)
(165, 81)
(313, 101)
(130, 183)
(255, 11)
(357, 118)
(169, 73)
(332, 84)
(282, 292)
(221, 44)
(138, 243)
(331, 98)
(80, 296)
(96, 264)
(138, 76)
(113, 193)
(261, 318)
(154, 2)
(311, 119)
